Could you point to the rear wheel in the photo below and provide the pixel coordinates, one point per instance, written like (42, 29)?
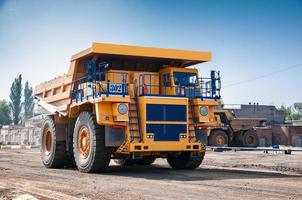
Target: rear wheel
(185, 160)
(218, 138)
(70, 162)
(250, 138)
(53, 152)
(89, 149)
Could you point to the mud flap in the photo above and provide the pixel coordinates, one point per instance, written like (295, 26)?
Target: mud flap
(201, 135)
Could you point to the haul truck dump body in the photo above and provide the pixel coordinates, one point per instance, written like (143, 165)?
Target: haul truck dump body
(130, 103)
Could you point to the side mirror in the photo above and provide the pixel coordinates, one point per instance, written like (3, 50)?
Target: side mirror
(103, 65)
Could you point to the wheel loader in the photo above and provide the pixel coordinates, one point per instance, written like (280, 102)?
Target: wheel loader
(130, 104)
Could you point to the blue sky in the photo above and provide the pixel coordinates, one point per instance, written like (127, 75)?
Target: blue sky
(247, 38)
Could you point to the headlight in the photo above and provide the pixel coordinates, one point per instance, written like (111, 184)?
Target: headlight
(203, 110)
(122, 108)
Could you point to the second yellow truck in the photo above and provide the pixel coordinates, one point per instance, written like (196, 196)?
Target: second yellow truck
(128, 103)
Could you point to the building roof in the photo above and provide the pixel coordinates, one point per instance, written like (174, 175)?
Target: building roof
(184, 57)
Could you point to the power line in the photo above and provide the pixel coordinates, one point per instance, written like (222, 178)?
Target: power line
(264, 76)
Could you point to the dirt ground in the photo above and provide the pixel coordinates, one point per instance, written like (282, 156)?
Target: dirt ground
(225, 175)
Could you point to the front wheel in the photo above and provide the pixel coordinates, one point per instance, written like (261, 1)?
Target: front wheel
(218, 138)
(89, 149)
(185, 160)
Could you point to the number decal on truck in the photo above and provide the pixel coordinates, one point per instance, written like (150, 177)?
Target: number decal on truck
(115, 88)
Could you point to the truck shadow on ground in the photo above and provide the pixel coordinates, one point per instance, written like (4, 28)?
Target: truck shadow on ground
(159, 172)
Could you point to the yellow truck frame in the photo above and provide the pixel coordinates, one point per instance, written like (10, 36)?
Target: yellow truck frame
(128, 103)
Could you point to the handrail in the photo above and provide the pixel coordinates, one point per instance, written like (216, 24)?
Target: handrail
(205, 88)
(96, 88)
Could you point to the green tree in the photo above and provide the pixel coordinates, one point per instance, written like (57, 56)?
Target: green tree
(15, 99)
(28, 104)
(287, 111)
(5, 112)
(298, 107)
(293, 112)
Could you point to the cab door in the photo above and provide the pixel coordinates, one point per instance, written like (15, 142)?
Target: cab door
(166, 84)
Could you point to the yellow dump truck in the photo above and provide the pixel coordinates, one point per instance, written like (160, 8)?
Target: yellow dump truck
(128, 103)
(233, 131)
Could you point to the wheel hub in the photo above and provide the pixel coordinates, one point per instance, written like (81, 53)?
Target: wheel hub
(250, 140)
(47, 140)
(219, 140)
(84, 142)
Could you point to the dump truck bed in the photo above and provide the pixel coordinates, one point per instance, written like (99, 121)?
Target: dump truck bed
(246, 123)
(55, 95)
(139, 52)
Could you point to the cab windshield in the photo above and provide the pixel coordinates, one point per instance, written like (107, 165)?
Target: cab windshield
(185, 79)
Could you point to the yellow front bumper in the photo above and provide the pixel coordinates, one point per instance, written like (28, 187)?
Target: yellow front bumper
(166, 147)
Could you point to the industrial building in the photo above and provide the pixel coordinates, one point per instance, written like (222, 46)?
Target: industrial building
(28, 134)
(19, 135)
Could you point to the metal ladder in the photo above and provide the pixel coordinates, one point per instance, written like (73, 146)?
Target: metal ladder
(191, 121)
(122, 149)
(134, 117)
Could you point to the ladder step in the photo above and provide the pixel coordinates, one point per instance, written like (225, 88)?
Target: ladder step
(135, 136)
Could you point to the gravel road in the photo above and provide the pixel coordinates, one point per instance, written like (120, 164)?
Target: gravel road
(227, 175)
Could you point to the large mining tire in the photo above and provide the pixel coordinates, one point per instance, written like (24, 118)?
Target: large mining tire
(89, 149)
(218, 138)
(250, 138)
(185, 160)
(70, 161)
(147, 160)
(53, 148)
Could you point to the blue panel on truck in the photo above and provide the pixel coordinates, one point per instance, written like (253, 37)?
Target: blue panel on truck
(166, 132)
(155, 112)
(163, 112)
